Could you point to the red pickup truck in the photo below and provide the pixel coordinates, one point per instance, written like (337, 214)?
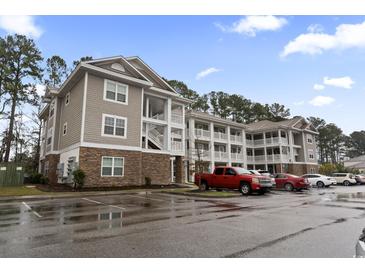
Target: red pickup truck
(233, 178)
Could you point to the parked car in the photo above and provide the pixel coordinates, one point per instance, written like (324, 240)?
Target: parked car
(360, 246)
(264, 172)
(291, 182)
(346, 179)
(233, 178)
(319, 180)
(360, 179)
(258, 172)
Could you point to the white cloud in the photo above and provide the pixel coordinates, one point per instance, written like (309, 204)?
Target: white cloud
(315, 28)
(318, 87)
(250, 25)
(41, 89)
(206, 72)
(346, 36)
(300, 103)
(20, 24)
(319, 101)
(342, 82)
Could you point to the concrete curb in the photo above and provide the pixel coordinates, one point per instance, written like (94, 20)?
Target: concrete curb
(55, 195)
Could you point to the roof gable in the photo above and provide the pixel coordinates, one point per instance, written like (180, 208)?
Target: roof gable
(149, 73)
(120, 65)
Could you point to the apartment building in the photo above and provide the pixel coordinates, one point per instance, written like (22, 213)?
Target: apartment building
(117, 120)
(286, 146)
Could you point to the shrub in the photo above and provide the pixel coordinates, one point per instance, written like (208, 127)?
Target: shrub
(38, 178)
(78, 178)
(148, 181)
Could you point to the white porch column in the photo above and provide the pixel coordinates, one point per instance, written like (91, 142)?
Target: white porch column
(183, 137)
(244, 148)
(280, 148)
(168, 112)
(191, 146)
(228, 132)
(304, 147)
(211, 145)
(265, 152)
(291, 142)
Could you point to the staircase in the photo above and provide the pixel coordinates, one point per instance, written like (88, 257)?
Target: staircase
(155, 138)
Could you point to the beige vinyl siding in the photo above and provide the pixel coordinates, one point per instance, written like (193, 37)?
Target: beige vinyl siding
(57, 129)
(150, 76)
(126, 72)
(72, 114)
(311, 146)
(96, 107)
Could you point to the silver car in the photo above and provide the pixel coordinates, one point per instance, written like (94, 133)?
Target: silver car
(360, 246)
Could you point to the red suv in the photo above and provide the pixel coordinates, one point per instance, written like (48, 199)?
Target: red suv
(291, 182)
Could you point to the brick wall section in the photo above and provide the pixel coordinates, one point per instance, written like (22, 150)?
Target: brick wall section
(179, 176)
(300, 169)
(157, 167)
(137, 166)
(53, 160)
(90, 162)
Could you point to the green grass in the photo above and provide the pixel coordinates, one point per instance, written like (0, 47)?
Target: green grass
(19, 191)
(208, 193)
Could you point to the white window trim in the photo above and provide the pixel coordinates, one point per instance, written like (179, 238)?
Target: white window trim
(114, 117)
(63, 129)
(67, 102)
(101, 169)
(117, 83)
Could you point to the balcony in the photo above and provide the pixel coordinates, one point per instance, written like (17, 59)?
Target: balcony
(203, 155)
(273, 158)
(202, 133)
(220, 136)
(259, 142)
(276, 141)
(220, 155)
(250, 158)
(236, 139)
(177, 146)
(259, 158)
(236, 156)
(249, 142)
(177, 118)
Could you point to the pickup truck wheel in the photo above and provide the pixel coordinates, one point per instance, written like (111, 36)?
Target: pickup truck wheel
(346, 183)
(320, 184)
(203, 186)
(245, 189)
(289, 187)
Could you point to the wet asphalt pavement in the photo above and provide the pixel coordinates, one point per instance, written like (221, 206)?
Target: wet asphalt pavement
(315, 223)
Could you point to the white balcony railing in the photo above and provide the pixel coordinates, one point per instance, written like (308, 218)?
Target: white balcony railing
(220, 136)
(249, 142)
(250, 159)
(202, 133)
(236, 156)
(236, 138)
(176, 118)
(220, 155)
(259, 158)
(258, 142)
(177, 146)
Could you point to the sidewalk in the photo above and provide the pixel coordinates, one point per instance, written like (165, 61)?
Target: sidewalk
(56, 195)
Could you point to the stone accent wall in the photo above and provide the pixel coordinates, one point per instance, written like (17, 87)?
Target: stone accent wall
(179, 176)
(300, 169)
(53, 160)
(137, 166)
(157, 167)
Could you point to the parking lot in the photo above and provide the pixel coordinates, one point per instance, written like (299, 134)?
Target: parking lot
(314, 223)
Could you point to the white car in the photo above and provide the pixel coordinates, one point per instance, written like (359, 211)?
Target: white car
(344, 178)
(319, 180)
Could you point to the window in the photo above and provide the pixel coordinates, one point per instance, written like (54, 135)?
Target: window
(219, 171)
(112, 166)
(115, 92)
(51, 109)
(311, 156)
(67, 99)
(310, 153)
(64, 129)
(46, 168)
(230, 171)
(309, 139)
(49, 136)
(114, 126)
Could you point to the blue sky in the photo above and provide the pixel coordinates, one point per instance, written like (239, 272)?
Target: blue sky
(266, 59)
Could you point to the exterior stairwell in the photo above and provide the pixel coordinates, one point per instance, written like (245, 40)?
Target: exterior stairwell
(155, 139)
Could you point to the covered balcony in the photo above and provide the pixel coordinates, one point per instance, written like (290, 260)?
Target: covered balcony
(220, 133)
(236, 153)
(177, 140)
(236, 136)
(202, 131)
(177, 116)
(154, 108)
(220, 153)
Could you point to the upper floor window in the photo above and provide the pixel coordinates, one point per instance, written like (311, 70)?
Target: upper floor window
(67, 99)
(51, 109)
(115, 92)
(64, 129)
(114, 126)
(309, 139)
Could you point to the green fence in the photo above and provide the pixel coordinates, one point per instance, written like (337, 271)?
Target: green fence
(11, 174)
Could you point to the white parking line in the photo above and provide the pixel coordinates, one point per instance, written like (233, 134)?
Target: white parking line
(101, 203)
(135, 196)
(30, 209)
